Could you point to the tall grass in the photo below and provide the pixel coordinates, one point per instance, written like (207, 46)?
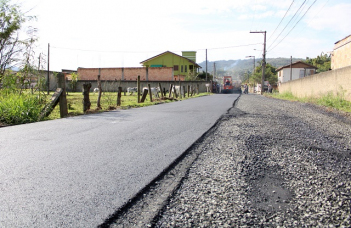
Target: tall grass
(16, 108)
(334, 101)
(329, 100)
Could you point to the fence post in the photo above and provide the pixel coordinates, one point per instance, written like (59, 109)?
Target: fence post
(86, 99)
(63, 100)
(149, 86)
(188, 90)
(119, 94)
(144, 96)
(170, 91)
(138, 88)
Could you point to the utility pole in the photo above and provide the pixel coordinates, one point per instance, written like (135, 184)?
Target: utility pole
(214, 70)
(48, 76)
(290, 68)
(38, 74)
(263, 59)
(206, 65)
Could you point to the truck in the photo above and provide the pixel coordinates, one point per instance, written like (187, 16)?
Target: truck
(230, 85)
(227, 84)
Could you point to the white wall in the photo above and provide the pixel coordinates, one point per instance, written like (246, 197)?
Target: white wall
(285, 74)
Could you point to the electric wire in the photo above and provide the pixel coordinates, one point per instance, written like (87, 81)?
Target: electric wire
(320, 10)
(138, 52)
(281, 20)
(287, 24)
(294, 25)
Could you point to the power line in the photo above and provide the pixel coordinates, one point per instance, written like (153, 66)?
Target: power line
(244, 45)
(282, 19)
(320, 9)
(288, 23)
(137, 52)
(294, 25)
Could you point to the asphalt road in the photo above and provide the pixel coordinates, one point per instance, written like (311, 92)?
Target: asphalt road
(75, 172)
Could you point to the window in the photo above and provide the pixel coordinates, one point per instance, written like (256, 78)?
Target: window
(176, 67)
(186, 70)
(302, 73)
(181, 68)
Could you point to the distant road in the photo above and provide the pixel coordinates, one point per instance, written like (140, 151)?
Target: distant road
(75, 172)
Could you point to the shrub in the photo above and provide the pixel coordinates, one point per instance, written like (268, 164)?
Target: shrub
(18, 108)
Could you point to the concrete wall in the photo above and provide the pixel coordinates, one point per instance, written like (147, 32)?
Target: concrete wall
(112, 86)
(335, 81)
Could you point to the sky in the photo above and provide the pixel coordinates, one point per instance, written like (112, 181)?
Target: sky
(123, 33)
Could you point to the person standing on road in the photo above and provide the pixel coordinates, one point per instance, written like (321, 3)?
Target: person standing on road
(246, 89)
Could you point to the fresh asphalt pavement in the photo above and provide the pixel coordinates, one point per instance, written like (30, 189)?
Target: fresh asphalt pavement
(75, 172)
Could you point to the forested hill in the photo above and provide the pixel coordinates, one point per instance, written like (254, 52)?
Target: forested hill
(238, 67)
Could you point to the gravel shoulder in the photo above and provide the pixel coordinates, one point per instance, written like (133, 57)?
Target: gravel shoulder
(268, 163)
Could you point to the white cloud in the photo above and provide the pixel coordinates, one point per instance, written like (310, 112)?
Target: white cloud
(335, 18)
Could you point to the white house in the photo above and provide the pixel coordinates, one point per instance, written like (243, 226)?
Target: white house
(294, 71)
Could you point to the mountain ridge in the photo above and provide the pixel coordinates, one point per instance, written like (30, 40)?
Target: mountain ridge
(237, 68)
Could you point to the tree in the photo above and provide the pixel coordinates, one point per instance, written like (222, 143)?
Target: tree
(270, 75)
(323, 62)
(11, 21)
(74, 81)
(202, 76)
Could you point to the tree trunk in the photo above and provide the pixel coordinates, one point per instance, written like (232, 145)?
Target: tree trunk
(98, 105)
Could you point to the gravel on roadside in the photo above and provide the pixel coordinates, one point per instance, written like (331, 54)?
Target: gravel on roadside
(270, 163)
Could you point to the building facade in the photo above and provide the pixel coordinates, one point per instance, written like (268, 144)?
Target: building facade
(295, 71)
(341, 56)
(182, 65)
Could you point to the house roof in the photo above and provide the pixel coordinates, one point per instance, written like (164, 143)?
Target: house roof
(296, 63)
(166, 52)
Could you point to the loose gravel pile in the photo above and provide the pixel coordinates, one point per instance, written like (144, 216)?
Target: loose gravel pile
(270, 163)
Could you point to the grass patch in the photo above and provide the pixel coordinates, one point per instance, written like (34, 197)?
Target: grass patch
(108, 102)
(25, 107)
(20, 108)
(328, 100)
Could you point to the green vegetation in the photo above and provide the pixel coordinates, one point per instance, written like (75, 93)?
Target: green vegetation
(202, 76)
(20, 108)
(270, 75)
(24, 107)
(108, 102)
(328, 100)
(14, 50)
(323, 62)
